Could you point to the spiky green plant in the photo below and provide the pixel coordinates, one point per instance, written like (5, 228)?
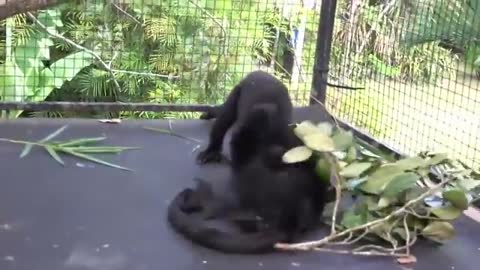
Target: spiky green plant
(80, 148)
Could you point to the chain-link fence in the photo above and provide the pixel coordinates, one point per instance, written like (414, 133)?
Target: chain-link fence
(419, 61)
(420, 64)
(155, 51)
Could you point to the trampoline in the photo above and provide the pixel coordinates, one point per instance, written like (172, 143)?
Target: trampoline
(89, 216)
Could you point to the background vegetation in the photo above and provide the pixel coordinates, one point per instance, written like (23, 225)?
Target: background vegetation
(419, 60)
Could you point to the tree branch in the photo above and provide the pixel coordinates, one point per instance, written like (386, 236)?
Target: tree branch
(10, 8)
(314, 244)
(80, 47)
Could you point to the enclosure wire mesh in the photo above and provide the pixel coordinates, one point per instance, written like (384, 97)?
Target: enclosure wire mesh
(419, 62)
(160, 51)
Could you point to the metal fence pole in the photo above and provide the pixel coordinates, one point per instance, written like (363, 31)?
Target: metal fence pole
(322, 51)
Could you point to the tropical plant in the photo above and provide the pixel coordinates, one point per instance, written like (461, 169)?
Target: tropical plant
(165, 51)
(29, 72)
(370, 38)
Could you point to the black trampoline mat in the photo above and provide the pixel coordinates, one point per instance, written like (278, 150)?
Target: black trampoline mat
(88, 216)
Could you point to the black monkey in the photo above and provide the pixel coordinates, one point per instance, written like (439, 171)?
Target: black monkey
(289, 197)
(285, 199)
(188, 202)
(261, 108)
(258, 87)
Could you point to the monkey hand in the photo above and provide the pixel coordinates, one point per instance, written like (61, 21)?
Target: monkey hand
(209, 156)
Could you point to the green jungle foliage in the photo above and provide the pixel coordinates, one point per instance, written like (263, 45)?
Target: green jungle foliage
(189, 51)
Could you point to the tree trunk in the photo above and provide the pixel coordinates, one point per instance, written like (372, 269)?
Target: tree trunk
(12, 7)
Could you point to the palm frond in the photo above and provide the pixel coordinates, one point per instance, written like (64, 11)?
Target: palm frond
(162, 30)
(95, 84)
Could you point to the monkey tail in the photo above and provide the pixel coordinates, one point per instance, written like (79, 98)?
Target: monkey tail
(195, 230)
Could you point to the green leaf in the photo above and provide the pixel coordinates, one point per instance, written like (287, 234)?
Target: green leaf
(380, 178)
(43, 85)
(439, 231)
(352, 184)
(436, 159)
(351, 220)
(323, 169)
(401, 233)
(351, 154)
(415, 192)
(457, 197)
(446, 212)
(400, 183)
(12, 80)
(371, 202)
(477, 62)
(343, 140)
(26, 150)
(383, 68)
(297, 154)
(29, 56)
(355, 169)
(319, 142)
(468, 183)
(54, 134)
(54, 154)
(305, 128)
(384, 202)
(326, 128)
(87, 157)
(50, 17)
(384, 229)
(81, 141)
(66, 68)
(410, 163)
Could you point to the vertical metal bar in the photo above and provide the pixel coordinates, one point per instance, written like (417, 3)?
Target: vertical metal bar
(322, 51)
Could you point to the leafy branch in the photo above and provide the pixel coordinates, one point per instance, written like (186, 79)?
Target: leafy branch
(397, 201)
(80, 148)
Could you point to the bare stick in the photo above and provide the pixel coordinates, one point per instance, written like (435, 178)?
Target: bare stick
(407, 232)
(350, 242)
(413, 213)
(338, 189)
(127, 14)
(362, 253)
(146, 74)
(325, 107)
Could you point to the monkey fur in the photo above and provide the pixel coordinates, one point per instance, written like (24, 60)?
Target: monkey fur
(288, 197)
(189, 202)
(258, 87)
(285, 195)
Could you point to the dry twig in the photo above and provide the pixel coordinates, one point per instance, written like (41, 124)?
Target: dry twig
(338, 189)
